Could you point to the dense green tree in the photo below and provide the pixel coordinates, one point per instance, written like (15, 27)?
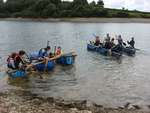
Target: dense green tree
(1, 6)
(65, 5)
(49, 10)
(56, 2)
(122, 14)
(1, 1)
(58, 8)
(100, 3)
(40, 5)
(14, 5)
(93, 4)
(80, 2)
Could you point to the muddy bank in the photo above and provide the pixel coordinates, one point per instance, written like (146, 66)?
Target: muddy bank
(31, 103)
(83, 20)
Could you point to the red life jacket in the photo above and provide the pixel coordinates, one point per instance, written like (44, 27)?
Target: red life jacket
(10, 57)
(58, 51)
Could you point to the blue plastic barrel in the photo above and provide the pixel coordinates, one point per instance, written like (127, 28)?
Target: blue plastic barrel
(18, 74)
(66, 60)
(69, 60)
(49, 67)
(61, 60)
(91, 47)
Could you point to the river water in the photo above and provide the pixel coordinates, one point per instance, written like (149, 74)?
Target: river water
(100, 79)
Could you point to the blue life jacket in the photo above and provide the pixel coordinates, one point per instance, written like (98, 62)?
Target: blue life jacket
(43, 53)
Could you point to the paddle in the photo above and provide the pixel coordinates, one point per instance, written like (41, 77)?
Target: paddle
(55, 51)
(137, 49)
(48, 43)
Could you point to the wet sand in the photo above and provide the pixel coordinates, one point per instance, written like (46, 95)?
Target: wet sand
(86, 20)
(30, 103)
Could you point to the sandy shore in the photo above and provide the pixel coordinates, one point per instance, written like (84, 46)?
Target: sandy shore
(31, 103)
(86, 20)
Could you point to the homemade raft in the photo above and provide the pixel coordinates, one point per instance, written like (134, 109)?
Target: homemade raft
(129, 51)
(103, 51)
(63, 59)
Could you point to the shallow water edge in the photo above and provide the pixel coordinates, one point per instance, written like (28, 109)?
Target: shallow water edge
(31, 103)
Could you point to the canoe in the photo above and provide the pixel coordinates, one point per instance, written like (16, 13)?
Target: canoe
(103, 51)
(129, 51)
(67, 59)
(17, 74)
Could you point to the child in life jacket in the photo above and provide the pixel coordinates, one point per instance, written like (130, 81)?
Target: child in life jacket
(58, 51)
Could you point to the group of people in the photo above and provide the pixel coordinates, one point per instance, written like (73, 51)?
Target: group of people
(109, 43)
(20, 60)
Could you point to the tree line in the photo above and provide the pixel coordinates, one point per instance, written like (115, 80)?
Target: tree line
(59, 9)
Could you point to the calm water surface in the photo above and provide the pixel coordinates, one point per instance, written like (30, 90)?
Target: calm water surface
(93, 77)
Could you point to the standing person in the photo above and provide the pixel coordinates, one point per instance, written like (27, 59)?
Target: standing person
(132, 42)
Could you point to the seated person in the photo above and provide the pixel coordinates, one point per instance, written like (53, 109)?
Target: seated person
(112, 43)
(107, 39)
(132, 42)
(97, 41)
(44, 52)
(107, 45)
(58, 51)
(11, 61)
(120, 40)
(20, 62)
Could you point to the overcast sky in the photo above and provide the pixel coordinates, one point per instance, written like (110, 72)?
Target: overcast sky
(142, 5)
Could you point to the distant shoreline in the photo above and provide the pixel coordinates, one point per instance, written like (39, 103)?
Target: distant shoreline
(82, 20)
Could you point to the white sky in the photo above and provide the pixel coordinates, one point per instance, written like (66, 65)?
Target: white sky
(142, 5)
